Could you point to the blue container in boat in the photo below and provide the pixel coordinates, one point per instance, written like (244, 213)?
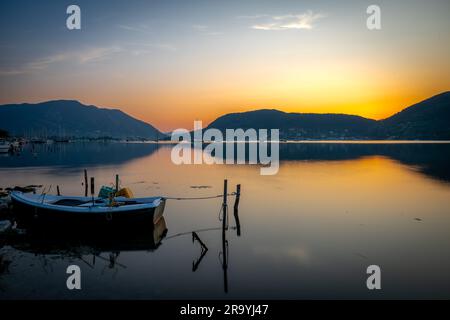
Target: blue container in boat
(105, 192)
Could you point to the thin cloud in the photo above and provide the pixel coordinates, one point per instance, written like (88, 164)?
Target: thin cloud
(11, 72)
(86, 56)
(254, 16)
(144, 46)
(38, 64)
(200, 27)
(163, 46)
(97, 54)
(45, 62)
(205, 30)
(214, 33)
(142, 28)
(304, 21)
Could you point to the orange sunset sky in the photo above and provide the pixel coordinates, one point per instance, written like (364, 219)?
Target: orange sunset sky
(169, 63)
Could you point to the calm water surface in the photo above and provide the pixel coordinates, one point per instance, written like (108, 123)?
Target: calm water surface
(308, 232)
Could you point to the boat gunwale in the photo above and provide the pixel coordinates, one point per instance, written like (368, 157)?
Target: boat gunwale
(22, 199)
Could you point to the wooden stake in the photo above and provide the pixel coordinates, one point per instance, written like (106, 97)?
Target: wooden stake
(238, 196)
(57, 191)
(85, 183)
(225, 191)
(225, 260)
(92, 186)
(224, 205)
(236, 210)
(92, 189)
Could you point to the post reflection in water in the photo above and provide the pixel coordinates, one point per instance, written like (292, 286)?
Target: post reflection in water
(224, 253)
(225, 245)
(204, 249)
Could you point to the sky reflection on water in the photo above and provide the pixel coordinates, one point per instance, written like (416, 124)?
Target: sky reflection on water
(308, 232)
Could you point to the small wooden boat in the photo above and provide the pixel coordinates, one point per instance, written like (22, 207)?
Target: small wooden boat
(87, 212)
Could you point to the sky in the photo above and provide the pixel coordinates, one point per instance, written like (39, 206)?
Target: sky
(172, 62)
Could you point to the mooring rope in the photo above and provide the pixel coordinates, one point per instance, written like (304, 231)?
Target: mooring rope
(198, 198)
(196, 231)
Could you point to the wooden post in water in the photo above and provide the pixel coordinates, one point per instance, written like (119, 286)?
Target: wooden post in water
(238, 196)
(85, 183)
(225, 262)
(224, 236)
(225, 191)
(236, 209)
(92, 189)
(224, 205)
(57, 191)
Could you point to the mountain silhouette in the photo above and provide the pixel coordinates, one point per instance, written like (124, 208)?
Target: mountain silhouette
(428, 120)
(73, 119)
(298, 125)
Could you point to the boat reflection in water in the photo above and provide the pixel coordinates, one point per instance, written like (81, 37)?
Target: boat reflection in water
(76, 244)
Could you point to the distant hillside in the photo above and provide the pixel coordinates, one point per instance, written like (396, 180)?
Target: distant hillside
(428, 120)
(73, 119)
(299, 125)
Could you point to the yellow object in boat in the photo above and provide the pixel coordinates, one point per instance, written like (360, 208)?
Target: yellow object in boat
(125, 192)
